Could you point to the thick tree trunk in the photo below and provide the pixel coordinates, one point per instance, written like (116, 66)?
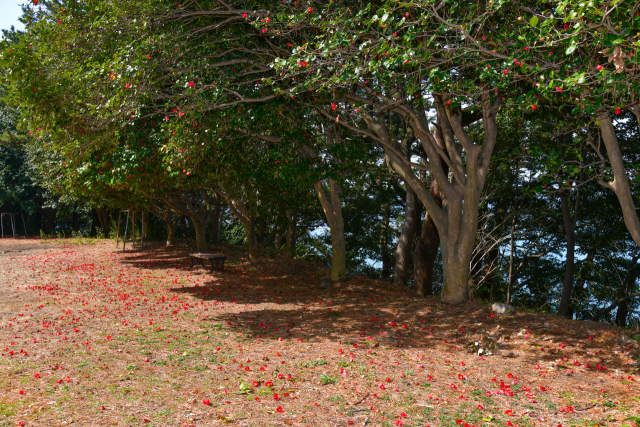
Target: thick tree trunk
(456, 260)
(201, 234)
(338, 251)
(332, 208)
(252, 242)
(570, 266)
(171, 231)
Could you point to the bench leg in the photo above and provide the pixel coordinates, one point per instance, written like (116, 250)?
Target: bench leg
(191, 262)
(211, 265)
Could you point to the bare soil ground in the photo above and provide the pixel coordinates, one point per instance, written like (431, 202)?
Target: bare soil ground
(93, 337)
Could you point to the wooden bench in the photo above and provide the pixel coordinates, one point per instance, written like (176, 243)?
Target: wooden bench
(217, 261)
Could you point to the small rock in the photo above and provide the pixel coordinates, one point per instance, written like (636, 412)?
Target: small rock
(501, 308)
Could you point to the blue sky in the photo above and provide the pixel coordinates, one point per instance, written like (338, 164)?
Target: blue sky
(10, 11)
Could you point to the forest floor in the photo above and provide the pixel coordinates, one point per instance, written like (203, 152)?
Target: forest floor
(93, 337)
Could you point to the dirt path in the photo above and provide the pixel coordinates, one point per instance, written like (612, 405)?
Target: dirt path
(91, 337)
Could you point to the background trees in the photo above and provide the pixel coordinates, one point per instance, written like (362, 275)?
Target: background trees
(459, 149)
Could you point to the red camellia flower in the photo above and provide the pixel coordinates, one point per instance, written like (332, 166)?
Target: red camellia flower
(598, 67)
(310, 10)
(275, 396)
(279, 409)
(505, 72)
(256, 384)
(206, 402)
(191, 84)
(37, 375)
(127, 85)
(533, 107)
(618, 111)
(269, 383)
(264, 30)
(333, 106)
(303, 64)
(244, 15)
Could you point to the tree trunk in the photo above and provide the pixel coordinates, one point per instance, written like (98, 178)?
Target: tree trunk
(145, 230)
(215, 220)
(424, 257)
(94, 221)
(250, 229)
(291, 236)
(332, 208)
(622, 314)
(201, 234)
(403, 250)
(171, 231)
(426, 251)
(456, 257)
(338, 251)
(569, 272)
(511, 254)
(620, 183)
(384, 247)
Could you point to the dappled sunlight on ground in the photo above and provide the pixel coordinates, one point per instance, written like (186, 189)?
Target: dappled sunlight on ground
(91, 336)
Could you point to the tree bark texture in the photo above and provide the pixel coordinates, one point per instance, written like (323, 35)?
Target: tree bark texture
(569, 222)
(620, 184)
